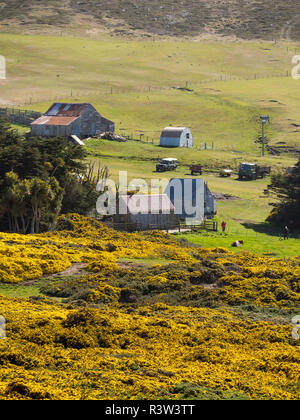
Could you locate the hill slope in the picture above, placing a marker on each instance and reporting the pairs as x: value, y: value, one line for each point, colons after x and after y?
x: 247, y: 19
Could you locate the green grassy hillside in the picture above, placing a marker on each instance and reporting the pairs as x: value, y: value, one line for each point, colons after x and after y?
x: 139, y: 85
x: 218, y: 89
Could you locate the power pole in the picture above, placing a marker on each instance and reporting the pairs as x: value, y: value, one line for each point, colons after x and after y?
x: 264, y: 120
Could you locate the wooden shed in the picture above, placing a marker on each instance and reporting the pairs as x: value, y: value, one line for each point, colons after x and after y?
x: 176, y: 137
x: 145, y: 212
x: 65, y: 120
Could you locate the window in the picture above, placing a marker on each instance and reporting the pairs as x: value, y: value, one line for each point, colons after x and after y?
x: 188, y: 135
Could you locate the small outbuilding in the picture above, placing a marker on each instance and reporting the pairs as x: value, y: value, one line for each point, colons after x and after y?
x: 176, y: 137
x: 67, y: 120
x: 143, y: 212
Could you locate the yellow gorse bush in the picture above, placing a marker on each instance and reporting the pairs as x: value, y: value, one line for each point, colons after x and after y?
x: 54, y: 353
x: 29, y: 257
x: 116, y: 350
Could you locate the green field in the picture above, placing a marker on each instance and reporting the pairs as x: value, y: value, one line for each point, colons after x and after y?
x: 136, y: 83
x: 266, y: 245
x: 217, y: 88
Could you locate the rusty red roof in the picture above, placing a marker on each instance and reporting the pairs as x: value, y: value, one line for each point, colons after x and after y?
x: 48, y: 120
x: 145, y: 204
x: 66, y: 110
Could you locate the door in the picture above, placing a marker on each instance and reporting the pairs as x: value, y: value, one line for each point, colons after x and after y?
x: 93, y: 129
x: 76, y: 130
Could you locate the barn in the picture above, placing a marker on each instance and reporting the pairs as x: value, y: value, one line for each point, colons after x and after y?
x: 65, y: 120
x: 192, y: 199
x: 145, y: 212
x: 176, y: 137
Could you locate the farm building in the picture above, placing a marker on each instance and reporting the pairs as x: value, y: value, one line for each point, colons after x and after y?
x: 176, y: 137
x: 65, y: 120
x: 145, y: 212
x: 192, y: 199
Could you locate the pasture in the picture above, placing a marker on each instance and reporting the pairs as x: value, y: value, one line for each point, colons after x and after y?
x: 217, y: 88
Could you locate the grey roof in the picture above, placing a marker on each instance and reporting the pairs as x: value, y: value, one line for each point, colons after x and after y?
x: 145, y: 204
x: 106, y: 121
x: 172, y: 131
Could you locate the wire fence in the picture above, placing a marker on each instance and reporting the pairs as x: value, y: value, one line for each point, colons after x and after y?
x: 229, y: 78
x: 153, y: 137
x: 232, y: 233
x: 108, y: 90
x: 25, y: 117
x: 19, y: 116
x: 207, y: 227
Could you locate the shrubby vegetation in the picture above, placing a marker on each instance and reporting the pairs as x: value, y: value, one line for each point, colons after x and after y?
x: 189, y: 18
x: 40, y: 178
x: 210, y: 324
x: 285, y: 189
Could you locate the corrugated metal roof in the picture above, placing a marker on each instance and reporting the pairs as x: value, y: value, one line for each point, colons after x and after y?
x: 145, y: 204
x: 66, y: 110
x: 172, y: 131
x: 48, y: 120
x: 106, y: 121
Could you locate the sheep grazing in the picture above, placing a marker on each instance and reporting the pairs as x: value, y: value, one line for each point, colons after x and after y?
x: 236, y: 244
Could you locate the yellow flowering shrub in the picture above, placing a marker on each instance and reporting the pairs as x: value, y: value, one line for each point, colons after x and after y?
x: 18, y: 262
x: 149, y: 352
x: 29, y: 257
x: 105, y: 293
x: 105, y: 260
x: 211, y: 324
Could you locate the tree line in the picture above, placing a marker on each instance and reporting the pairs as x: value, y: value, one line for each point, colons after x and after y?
x: 284, y: 189
x: 41, y: 178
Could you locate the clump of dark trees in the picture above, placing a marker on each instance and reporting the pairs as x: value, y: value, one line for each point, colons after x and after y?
x: 285, y: 189
x: 41, y: 178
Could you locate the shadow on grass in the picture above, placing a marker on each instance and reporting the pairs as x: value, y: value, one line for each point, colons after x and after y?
x: 269, y: 229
